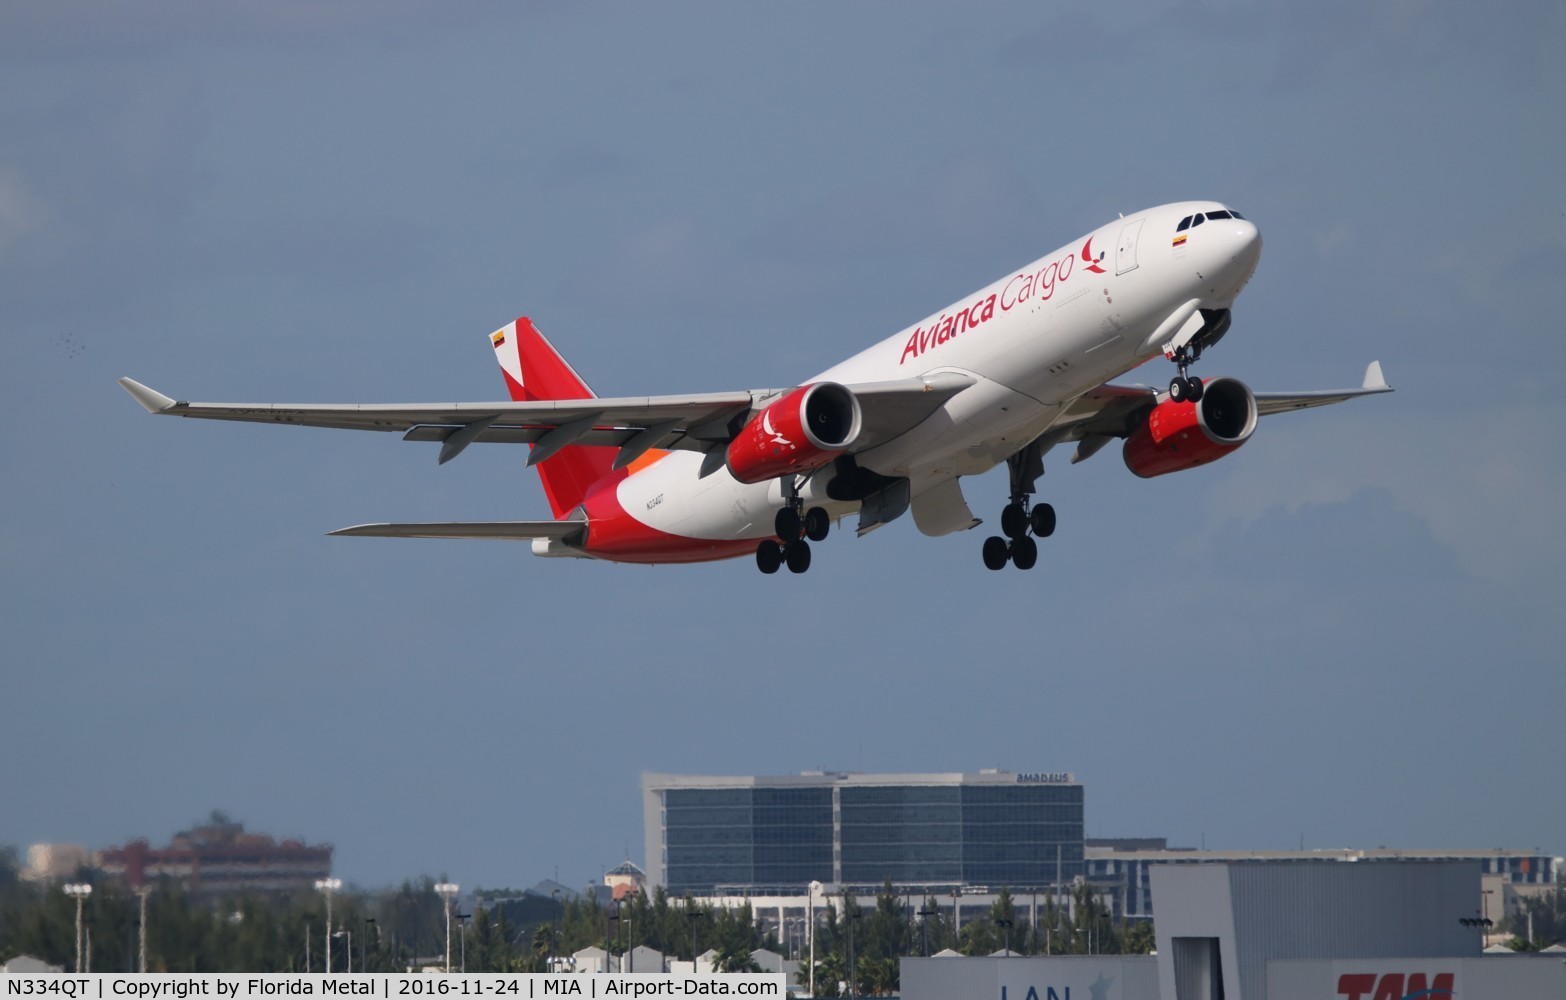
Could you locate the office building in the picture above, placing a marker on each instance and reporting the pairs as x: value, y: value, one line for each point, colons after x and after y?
x: 727, y: 835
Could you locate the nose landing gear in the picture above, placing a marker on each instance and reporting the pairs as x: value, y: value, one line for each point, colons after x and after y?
x: 1183, y: 388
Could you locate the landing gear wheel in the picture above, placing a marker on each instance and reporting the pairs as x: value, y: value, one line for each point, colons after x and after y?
x: 1024, y: 552
x: 996, y: 552
x: 769, y: 556
x: 1042, y: 520
x: 817, y: 524
x: 798, y: 557
x: 1178, y: 389
x: 1193, y: 389
x: 787, y: 524
x: 1014, y: 521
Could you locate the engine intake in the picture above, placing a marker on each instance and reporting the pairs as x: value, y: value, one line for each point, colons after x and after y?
x: 1178, y: 436
x: 804, y: 430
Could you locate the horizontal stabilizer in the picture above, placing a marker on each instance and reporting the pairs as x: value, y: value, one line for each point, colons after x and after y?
x: 569, y: 532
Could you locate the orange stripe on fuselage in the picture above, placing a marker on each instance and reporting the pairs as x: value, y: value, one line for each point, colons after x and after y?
x: 646, y: 459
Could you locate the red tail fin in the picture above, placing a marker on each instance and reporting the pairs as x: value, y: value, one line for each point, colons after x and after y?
x: 534, y: 370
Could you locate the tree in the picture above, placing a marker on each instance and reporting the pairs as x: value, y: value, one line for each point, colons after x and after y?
x: 1548, y: 914
x: 735, y: 958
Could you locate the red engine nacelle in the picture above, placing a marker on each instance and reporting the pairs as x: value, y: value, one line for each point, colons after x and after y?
x: 804, y: 430
x: 1179, y: 436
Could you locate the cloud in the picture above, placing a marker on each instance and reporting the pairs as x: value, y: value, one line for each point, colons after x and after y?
x: 21, y: 214
x: 1483, y: 481
x: 104, y: 27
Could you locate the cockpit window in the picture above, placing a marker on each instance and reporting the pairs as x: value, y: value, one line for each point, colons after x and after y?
x: 1237, y: 215
x: 1197, y: 220
x: 1220, y: 214
x: 1185, y: 224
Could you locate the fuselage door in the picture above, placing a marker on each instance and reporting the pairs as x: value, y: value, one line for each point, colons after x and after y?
x: 1125, y: 250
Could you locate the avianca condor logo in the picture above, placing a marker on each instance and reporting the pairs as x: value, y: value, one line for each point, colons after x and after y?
x: 772, y: 432
x: 1040, y: 284
x: 1395, y: 986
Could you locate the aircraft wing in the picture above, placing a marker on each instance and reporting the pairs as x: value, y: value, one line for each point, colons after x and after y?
x: 635, y: 424
x: 1111, y: 411
x: 1282, y: 402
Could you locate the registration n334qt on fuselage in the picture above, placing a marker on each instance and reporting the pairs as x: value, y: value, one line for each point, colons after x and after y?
x: 1001, y: 375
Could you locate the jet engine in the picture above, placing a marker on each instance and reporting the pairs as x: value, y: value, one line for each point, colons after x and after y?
x: 804, y: 430
x: 1177, y: 436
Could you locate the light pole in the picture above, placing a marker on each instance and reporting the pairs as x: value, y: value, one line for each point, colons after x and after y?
x: 853, y: 982
x: 692, y: 916
x: 364, y: 942
x: 447, y: 890
x: 143, y: 891
x: 810, y: 896
x: 554, y: 924
x: 1006, y: 922
x: 608, y: 919
x: 79, y: 891
x: 925, y: 913
x: 462, y: 931
x: 348, y: 951
x: 327, y: 886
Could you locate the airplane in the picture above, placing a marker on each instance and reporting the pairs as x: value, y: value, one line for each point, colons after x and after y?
x: 1001, y: 375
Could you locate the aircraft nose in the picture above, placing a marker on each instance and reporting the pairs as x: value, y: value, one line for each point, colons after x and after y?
x: 1247, y: 239
x: 1241, y: 246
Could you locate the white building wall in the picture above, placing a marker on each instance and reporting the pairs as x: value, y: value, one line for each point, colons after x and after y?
x: 1501, y: 977
x: 1062, y: 977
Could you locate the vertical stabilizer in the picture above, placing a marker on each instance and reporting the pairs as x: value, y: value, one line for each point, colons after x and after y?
x: 534, y: 370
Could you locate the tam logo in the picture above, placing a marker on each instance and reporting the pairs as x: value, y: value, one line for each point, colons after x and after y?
x: 1396, y: 986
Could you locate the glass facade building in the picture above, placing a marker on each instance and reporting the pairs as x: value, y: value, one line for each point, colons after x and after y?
x: 733, y: 835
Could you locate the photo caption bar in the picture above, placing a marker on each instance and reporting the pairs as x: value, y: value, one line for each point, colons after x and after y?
x: 389, y: 986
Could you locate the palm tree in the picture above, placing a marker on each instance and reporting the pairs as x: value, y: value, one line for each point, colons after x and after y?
x: 736, y: 958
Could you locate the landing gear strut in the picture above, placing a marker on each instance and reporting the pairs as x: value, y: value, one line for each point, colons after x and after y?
x: 1183, y: 388
x: 793, y: 525
x: 1021, y: 525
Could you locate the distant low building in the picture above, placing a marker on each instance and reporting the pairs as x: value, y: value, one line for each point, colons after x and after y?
x: 221, y: 858
x: 1124, y: 868
x: 625, y: 879
x: 26, y: 965
x: 52, y: 862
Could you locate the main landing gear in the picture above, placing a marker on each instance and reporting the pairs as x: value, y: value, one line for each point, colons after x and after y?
x: 1183, y: 388
x: 1021, y: 526
x: 793, y: 526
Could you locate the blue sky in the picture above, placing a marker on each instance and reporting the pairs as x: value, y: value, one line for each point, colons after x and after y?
x: 1349, y: 631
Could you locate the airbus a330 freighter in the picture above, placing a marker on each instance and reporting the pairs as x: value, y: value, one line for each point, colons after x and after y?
x: 1002, y: 375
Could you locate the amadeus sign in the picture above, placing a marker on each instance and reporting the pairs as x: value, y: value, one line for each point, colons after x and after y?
x: 1046, y: 778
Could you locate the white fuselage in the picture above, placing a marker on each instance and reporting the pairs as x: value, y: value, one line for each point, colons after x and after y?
x: 1034, y: 341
